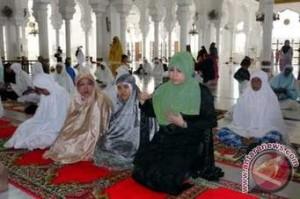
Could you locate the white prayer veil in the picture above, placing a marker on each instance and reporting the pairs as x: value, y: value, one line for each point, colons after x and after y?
x: 258, y: 112
x: 23, y: 80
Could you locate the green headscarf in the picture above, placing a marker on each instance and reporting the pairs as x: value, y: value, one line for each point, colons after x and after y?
x: 183, y: 98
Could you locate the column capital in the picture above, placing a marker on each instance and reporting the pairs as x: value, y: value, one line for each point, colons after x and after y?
x: 56, y: 18
x: 2, y: 21
x: 99, y: 6
x: 42, y: 1
x: 86, y: 18
x: 39, y: 7
x: 184, y: 3
x: 155, y: 15
x: 183, y: 14
x: 123, y: 6
x: 66, y: 9
x: 144, y: 23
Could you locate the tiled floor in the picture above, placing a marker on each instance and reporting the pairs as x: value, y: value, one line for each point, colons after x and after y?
x: 14, y: 193
x: 226, y: 95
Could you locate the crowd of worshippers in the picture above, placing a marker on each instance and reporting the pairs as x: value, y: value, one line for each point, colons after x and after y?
x: 164, y: 138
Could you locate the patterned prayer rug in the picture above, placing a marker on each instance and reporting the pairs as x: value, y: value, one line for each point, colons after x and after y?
x: 42, y: 178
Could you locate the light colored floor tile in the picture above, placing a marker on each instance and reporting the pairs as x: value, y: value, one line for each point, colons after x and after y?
x: 14, y: 193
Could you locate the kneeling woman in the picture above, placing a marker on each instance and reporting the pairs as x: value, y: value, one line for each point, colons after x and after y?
x: 121, y: 141
x: 256, y: 117
x: 183, y: 145
x: 86, y: 122
x: 41, y: 130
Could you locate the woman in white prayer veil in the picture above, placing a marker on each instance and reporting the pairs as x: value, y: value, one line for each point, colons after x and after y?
x: 257, y: 117
x: 36, y: 68
x: 80, y: 56
x: 63, y: 79
x: 23, y: 86
x: 23, y: 81
x: 41, y: 130
x: 103, y: 73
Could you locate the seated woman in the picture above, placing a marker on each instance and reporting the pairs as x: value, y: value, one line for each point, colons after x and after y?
x: 285, y: 85
x: 41, y: 130
x: 121, y: 142
x: 257, y: 117
x: 21, y: 86
x: 103, y: 73
x: 63, y: 78
x: 36, y: 68
x: 86, y: 122
x: 183, y: 146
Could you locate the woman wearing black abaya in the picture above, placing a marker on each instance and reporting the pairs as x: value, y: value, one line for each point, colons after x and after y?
x: 183, y: 146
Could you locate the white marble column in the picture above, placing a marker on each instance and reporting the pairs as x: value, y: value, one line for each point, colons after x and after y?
x: 41, y: 15
x: 144, y: 26
x: 57, y: 38
x: 67, y: 10
x: 156, y: 17
x: 123, y: 7
x: 99, y: 8
x: 56, y: 21
x: 169, y: 22
x: 86, y: 22
x: 18, y: 34
x: 267, y: 10
x: 2, y: 51
x: 123, y: 27
x: 183, y: 16
x: 68, y: 37
x: 156, y: 38
x: 200, y: 25
x: 170, y: 44
x: 231, y: 40
x: 218, y: 25
x: 100, y: 30
x: 87, y: 43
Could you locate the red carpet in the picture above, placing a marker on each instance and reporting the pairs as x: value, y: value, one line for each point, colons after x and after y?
x: 130, y: 189
x: 224, y: 193
x: 4, y: 122
x: 81, y: 172
x: 34, y: 157
x: 7, y: 131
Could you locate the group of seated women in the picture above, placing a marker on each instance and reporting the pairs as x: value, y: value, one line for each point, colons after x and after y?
x: 113, y: 127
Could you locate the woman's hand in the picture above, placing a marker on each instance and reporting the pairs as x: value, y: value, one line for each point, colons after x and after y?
x: 176, y: 119
x: 143, y: 97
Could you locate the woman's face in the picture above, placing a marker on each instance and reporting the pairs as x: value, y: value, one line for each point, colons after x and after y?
x: 85, y: 87
x: 176, y: 76
x: 256, y: 83
x: 59, y: 68
x: 124, y: 91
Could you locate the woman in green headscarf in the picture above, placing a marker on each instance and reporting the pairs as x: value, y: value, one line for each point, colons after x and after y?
x: 183, y: 146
